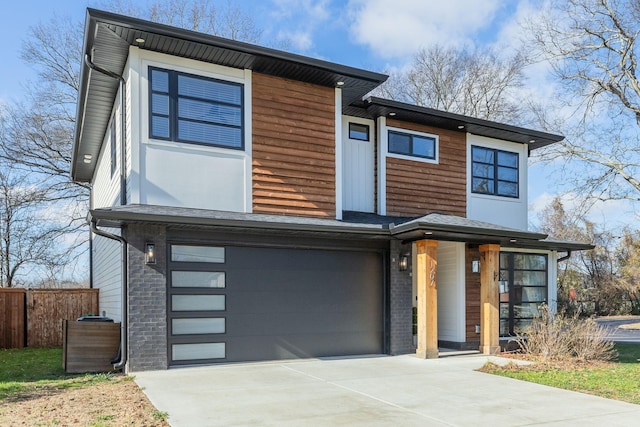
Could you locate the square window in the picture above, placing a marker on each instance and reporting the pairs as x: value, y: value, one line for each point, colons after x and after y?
x: 494, y: 172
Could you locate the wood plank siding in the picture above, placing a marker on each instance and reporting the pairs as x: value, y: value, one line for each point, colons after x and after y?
x: 416, y: 188
x: 472, y: 296
x: 293, y: 132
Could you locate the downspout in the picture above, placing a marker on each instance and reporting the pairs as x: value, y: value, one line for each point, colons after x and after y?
x: 123, y: 322
x: 123, y: 128
x: 564, y: 258
x: 123, y: 201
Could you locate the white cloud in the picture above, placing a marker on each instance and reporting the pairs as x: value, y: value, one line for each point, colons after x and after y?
x: 398, y: 29
x: 300, y: 41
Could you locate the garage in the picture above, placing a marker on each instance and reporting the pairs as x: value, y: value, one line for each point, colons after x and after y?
x: 244, y: 303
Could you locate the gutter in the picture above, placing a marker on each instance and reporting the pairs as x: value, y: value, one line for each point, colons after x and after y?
x: 564, y: 258
x: 118, y: 364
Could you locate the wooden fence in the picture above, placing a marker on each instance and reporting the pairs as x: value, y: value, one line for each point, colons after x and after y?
x: 34, y: 316
x: 12, y: 318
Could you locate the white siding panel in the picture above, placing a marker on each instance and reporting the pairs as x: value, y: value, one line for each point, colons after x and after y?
x: 358, y: 169
x: 107, y: 274
x: 505, y: 211
x: 106, y: 188
x: 192, y: 178
x: 451, y: 287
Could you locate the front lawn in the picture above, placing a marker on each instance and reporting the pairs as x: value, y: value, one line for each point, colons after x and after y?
x: 619, y: 380
x: 35, y: 390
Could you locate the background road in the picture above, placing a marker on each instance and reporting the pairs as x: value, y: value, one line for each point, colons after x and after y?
x: 621, y: 335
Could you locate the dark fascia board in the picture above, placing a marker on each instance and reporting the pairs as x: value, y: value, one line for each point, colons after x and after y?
x: 117, y: 217
x: 429, y: 116
x: 417, y: 228
x: 358, y: 82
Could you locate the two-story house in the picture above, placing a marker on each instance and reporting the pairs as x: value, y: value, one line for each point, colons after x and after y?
x: 252, y: 204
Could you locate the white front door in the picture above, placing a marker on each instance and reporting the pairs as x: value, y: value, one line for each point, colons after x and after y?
x: 358, y: 175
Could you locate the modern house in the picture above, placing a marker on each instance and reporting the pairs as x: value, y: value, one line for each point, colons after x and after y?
x: 252, y: 204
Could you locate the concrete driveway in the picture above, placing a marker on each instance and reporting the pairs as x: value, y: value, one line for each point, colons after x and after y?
x: 370, y: 391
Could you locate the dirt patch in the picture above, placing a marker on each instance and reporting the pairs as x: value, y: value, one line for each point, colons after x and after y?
x: 115, y: 402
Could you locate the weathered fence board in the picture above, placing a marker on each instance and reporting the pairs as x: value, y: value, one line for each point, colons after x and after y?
x: 48, y: 308
x: 12, y: 318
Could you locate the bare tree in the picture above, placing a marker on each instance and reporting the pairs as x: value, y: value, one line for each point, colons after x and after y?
x: 591, y: 46
x: 28, y: 237
x: 477, y: 83
x: 36, y: 134
x: 225, y: 20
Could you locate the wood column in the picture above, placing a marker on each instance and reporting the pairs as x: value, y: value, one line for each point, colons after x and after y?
x: 489, y: 301
x: 425, y: 271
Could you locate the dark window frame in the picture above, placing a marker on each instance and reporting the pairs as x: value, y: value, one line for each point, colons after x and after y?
x: 368, y: 131
x: 507, y: 273
x: 113, y: 147
x: 173, y: 116
x: 411, y: 136
x: 495, y: 169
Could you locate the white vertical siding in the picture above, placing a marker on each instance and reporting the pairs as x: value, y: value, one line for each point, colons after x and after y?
x: 506, y: 211
x: 451, y: 292
x: 105, y: 191
x: 358, y: 176
x: 107, y: 274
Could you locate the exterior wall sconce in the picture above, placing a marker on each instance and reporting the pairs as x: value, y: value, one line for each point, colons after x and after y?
x: 475, y: 266
x: 150, y: 253
x: 403, y: 263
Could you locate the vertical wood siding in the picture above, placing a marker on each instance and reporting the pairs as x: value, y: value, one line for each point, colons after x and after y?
x: 12, y: 318
x: 416, y: 188
x: 293, y: 138
x: 472, y: 295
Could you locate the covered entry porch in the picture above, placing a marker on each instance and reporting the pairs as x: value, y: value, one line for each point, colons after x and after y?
x: 461, y: 284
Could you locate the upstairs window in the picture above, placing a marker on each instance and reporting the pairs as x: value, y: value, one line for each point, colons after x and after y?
x: 188, y: 108
x: 358, y: 131
x: 494, y: 172
x: 410, y: 144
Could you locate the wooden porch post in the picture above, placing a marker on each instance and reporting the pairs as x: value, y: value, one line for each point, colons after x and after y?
x: 427, y: 299
x: 489, y: 302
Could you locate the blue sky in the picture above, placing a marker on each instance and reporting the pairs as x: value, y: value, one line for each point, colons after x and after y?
x: 372, y: 34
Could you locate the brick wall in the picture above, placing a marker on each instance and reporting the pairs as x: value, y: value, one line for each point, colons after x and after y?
x: 401, y: 303
x: 147, y: 310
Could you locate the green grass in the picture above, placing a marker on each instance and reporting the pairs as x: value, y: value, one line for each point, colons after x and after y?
x: 619, y: 380
x: 23, y: 370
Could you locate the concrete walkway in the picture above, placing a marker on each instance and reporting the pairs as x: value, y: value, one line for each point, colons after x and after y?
x: 370, y: 391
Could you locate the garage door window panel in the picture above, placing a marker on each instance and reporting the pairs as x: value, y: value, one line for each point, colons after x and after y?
x: 199, y: 254
x: 198, y: 279
x: 198, y: 352
x: 198, y: 302
x: 198, y: 326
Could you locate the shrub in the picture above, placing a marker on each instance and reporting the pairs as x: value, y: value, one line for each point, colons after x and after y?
x: 552, y: 337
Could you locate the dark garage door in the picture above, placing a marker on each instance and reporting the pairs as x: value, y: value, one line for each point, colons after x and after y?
x: 272, y: 303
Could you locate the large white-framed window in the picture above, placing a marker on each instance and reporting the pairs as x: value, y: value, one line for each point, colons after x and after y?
x: 190, y: 108
x: 494, y: 172
x: 411, y: 145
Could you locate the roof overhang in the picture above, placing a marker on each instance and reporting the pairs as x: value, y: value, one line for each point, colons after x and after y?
x: 458, y: 229
x: 376, y: 107
x: 367, y: 227
x: 189, y: 217
x: 108, y: 37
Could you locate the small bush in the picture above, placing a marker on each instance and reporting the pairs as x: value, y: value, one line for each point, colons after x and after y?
x: 552, y: 337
